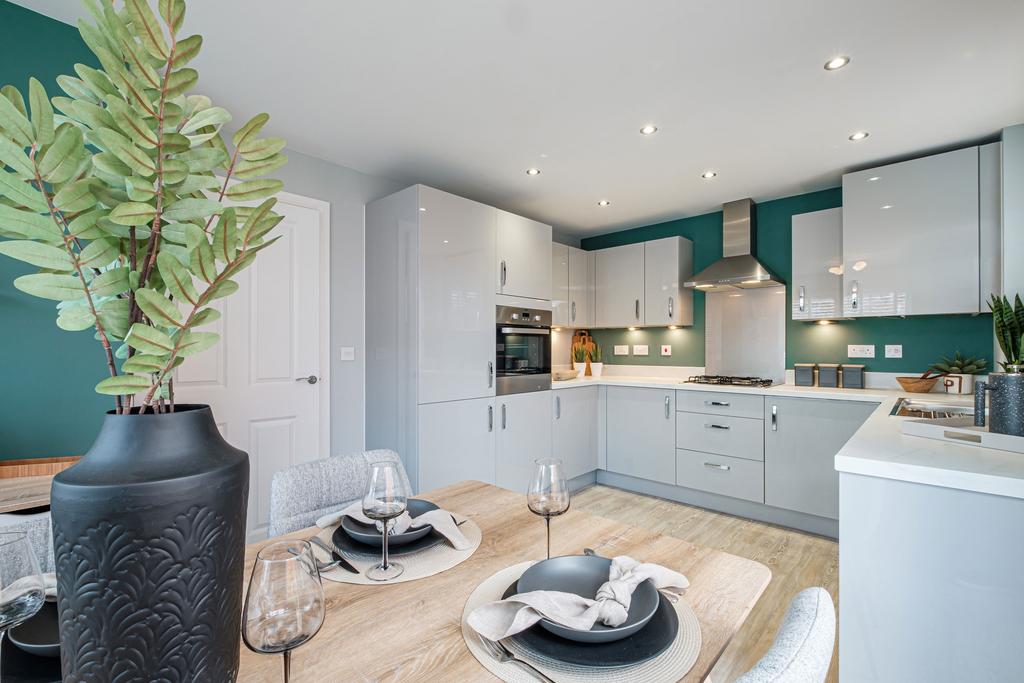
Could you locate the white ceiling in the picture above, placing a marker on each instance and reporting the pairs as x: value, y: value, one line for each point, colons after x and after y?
x: 465, y: 95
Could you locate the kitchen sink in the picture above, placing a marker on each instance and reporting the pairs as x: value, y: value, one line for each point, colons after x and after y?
x: 910, y: 407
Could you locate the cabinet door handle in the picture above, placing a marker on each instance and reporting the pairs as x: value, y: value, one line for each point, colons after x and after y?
x: 802, y: 298
x: 574, y: 311
x: 504, y: 416
x: 668, y: 407
x: 671, y: 307
x: 490, y: 418
x: 558, y: 407
x: 636, y: 307
x: 716, y: 466
x: 854, y: 294
x: 490, y: 374
x: 775, y: 418
x: 714, y: 426
x: 504, y: 273
x: 723, y: 404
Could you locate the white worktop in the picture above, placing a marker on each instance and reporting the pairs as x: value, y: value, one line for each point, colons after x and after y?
x: 879, y: 448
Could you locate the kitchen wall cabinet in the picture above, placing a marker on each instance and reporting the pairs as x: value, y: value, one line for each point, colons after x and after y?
x: 523, y: 428
x: 801, y: 439
x: 667, y: 262
x: 560, y: 296
x: 574, y: 429
x: 911, y: 237
x: 620, y: 286
x: 456, y: 442
x: 581, y: 288
x: 521, y: 268
x: 816, y: 286
x: 641, y: 433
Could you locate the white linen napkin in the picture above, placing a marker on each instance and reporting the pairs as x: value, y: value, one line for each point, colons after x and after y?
x: 501, y: 619
x: 441, y: 520
x: 27, y: 583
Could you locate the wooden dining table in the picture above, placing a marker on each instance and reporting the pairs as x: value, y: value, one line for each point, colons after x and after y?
x: 412, y: 631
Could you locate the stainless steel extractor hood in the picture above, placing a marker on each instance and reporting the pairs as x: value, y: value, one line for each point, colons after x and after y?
x: 738, y: 268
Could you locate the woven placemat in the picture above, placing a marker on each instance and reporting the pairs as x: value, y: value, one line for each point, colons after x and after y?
x: 671, y: 665
x: 428, y: 562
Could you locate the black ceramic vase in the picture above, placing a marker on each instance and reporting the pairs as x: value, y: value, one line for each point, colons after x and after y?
x: 149, y: 539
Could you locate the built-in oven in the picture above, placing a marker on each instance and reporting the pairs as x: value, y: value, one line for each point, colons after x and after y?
x: 523, y: 350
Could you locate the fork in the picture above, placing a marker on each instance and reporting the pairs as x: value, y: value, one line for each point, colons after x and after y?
x: 498, y: 651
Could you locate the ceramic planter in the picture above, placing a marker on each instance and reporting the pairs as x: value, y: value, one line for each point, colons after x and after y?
x: 595, y: 369
x: 149, y: 542
x: 958, y: 384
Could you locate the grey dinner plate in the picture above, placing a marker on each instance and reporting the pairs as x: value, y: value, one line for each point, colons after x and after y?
x: 583, y: 575
x: 368, y: 533
x: 39, y: 634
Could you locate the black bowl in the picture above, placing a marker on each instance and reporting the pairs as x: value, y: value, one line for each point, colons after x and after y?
x: 368, y: 534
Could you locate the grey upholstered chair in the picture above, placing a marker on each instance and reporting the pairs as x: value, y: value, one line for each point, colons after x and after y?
x: 802, y: 650
x: 40, y: 534
x: 301, y: 494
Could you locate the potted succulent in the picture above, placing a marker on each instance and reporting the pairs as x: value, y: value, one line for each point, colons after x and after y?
x: 1006, y: 407
x: 596, y: 358
x: 579, y: 359
x: 120, y: 192
x: 959, y: 372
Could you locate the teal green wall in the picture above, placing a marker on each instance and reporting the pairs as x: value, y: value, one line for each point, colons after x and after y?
x: 924, y: 338
x: 47, y: 405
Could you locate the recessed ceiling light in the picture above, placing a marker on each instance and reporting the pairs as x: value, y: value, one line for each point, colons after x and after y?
x: 446, y: 241
x: 533, y: 171
x: 708, y: 175
x: 604, y: 202
x: 837, y: 63
x: 886, y: 206
x: 858, y: 136
x: 423, y: 208
x: 648, y: 130
x: 860, y: 265
x: 874, y: 178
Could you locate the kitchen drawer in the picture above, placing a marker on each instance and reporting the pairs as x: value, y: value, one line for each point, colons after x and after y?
x: 721, y: 403
x: 739, y: 437
x: 720, y: 474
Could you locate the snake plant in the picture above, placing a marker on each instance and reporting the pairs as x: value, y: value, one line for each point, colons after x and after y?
x: 579, y: 353
x: 958, y: 365
x: 595, y: 354
x: 1008, y: 322
x: 122, y: 193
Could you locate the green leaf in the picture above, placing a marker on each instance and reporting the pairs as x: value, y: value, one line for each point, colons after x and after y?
x: 205, y: 317
x: 76, y: 197
x: 84, y: 226
x: 140, y: 189
x: 255, y: 216
x: 158, y: 308
x: 42, y: 112
x: 176, y: 143
x: 144, y: 362
x: 201, y: 262
x: 262, y: 227
x: 12, y: 94
x: 222, y: 289
x: 147, y: 28
x: 196, y: 182
x: 62, y: 158
x: 173, y: 12
x: 108, y: 162
x: 254, y: 189
x: 225, y: 236
x: 114, y: 316
x: 127, y: 152
x: 20, y: 192
x: 202, y: 159
x: 188, y: 234
x: 174, y: 172
x: 196, y: 342
x: 189, y: 209
x: 29, y: 224
x: 75, y: 318
x: 187, y: 50
x: 214, y: 116
x: 255, y: 149
x: 110, y: 282
x: 133, y: 213
x: 253, y: 169
x: 177, y: 278
x: 51, y: 286
x: 249, y: 130
x: 131, y: 124
x: 14, y: 156
x: 100, y: 253
x: 12, y: 122
x: 122, y: 385
x: 37, y: 254
x: 146, y: 339
x: 97, y: 81
x: 181, y: 80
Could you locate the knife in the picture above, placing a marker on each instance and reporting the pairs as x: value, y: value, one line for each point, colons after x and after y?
x: 335, y: 555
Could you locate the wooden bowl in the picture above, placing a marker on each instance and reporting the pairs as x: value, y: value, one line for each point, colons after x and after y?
x: 917, y: 385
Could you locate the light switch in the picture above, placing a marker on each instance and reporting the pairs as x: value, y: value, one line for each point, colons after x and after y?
x: 639, y: 349
x: 894, y: 350
x: 666, y: 349
x: 621, y: 349
x: 860, y: 351
x: 348, y: 353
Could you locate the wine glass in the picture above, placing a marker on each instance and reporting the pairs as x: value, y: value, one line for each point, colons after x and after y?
x: 549, y: 492
x: 386, y: 497
x: 284, y: 607
x: 21, y: 583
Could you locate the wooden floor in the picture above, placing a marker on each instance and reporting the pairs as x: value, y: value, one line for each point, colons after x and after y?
x: 797, y: 561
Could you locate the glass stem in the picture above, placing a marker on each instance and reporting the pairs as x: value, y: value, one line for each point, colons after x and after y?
x: 384, y: 560
x: 547, y: 521
x: 287, y: 665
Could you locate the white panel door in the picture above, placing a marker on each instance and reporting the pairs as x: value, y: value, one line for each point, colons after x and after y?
x: 574, y: 430
x: 456, y: 442
x: 274, y: 335
x: 817, y: 283
x: 456, y: 298
x: 581, y: 289
x: 620, y: 286
x: 910, y: 237
x: 524, y: 435
x: 560, y: 305
x: 522, y: 265
x: 667, y: 263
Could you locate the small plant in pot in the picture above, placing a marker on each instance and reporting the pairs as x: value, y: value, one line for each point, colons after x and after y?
x: 1006, y: 389
x: 579, y: 359
x: 119, y: 191
x: 958, y: 372
x: 596, y: 361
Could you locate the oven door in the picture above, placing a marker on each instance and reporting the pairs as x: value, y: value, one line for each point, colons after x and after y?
x: 523, y: 357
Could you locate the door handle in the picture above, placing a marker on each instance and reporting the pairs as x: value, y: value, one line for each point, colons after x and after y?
x: 504, y: 416
x: 490, y: 374
x: 854, y: 294
x: 504, y: 273
x: 716, y: 466
x: 671, y: 307
x: 801, y: 299
x: 775, y: 418
x: 312, y: 379
x: 490, y: 418
x: 668, y: 407
x: 723, y: 404
x: 714, y: 426
x: 636, y: 307
x: 558, y: 407
x: 574, y: 311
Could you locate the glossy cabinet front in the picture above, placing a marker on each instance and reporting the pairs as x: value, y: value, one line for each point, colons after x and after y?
x: 667, y: 263
x: 521, y: 267
x: 619, y: 286
x: 581, y: 288
x: 560, y: 296
x: 574, y: 429
x: 641, y: 433
x: 522, y: 423
x: 456, y: 442
x: 816, y: 287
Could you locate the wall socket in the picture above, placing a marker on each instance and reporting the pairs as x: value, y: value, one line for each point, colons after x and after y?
x: 894, y: 350
x: 860, y: 351
x: 639, y: 349
x: 621, y: 350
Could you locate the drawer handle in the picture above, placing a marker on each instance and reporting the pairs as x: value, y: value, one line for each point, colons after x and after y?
x: 723, y: 404
x: 716, y: 466
x: 714, y: 426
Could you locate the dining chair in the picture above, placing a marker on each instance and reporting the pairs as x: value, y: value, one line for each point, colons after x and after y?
x: 802, y: 650
x: 301, y: 494
x: 39, y: 531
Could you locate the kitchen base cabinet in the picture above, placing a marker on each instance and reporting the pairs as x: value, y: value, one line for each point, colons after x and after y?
x: 522, y: 423
x: 456, y: 442
x: 721, y: 474
x: 801, y: 439
x: 641, y: 433
x: 574, y: 429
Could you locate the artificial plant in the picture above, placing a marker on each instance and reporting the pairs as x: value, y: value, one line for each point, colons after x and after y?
x: 959, y: 365
x: 1008, y: 322
x: 122, y: 193
x: 596, y: 355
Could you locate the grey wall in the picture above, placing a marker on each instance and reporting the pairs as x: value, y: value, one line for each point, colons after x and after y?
x: 347, y: 191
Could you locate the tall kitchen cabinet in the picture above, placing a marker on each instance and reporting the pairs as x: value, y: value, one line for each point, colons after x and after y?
x: 817, y: 281
x: 521, y: 265
x: 642, y: 284
x: 641, y: 433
